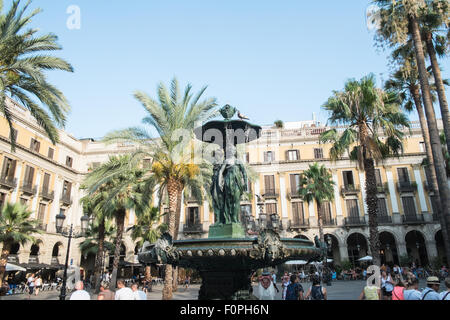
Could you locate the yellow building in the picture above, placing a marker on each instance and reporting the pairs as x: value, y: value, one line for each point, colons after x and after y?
x: 47, y: 178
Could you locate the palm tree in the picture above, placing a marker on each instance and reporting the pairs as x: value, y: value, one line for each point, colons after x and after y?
x: 400, y: 21
x: 118, y: 181
x: 367, y: 112
x: 22, y: 65
x: 174, y: 117
x: 317, y: 185
x: 147, y: 229
x: 15, y: 227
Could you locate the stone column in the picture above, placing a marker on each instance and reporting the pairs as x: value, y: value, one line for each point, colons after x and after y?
x: 343, y: 252
x: 17, y: 177
x: 431, y: 250
x: 284, y: 208
x: 55, y: 206
x: 418, y: 177
x: 401, y: 249
x: 392, y: 192
x: 35, y: 203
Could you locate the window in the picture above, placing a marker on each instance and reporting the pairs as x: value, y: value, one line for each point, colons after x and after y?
x: 193, y: 216
x: 35, y: 145
x: 403, y: 176
x: 382, y: 208
x: 318, y: 153
x: 269, y: 156
x: 352, y: 208
x: 69, y: 161
x: 349, y: 183
x: 29, y: 176
x: 378, y: 179
x: 67, y: 188
x: 297, y: 213
x: 292, y: 155
x: 9, y: 168
x: 269, y: 184
x: 409, y: 206
x: 46, y: 183
x: 326, y: 213
x: 41, y: 212
x: 295, y: 183
x: 51, y: 153
x: 271, y: 208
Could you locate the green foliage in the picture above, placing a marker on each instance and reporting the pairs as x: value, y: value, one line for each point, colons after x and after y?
x: 16, y: 226
x: 22, y: 65
x: 436, y: 263
x: 90, y: 243
x: 279, y: 124
x: 405, y: 260
x: 147, y: 227
x: 346, y: 265
x: 317, y: 184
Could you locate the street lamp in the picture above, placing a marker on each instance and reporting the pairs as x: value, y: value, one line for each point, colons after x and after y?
x: 69, y: 234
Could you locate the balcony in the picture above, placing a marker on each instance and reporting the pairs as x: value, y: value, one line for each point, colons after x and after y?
x: 406, y: 187
x: 271, y: 194
x: 427, y: 187
x: 66, y: 199
x: 350, y: 189
x: 8, y: 182
x: 413, y: 219
x: 355, y: 222
x: 193, y: 228
x: 293, y: 195
x: 384, y: 219
x: 329, y: 222
x: 382, y: 188
x: 47, y: 195
x: 28, y: 188
x: 299, y: 224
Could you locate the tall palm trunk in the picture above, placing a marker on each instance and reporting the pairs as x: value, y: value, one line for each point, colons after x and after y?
x: 439, y: 85
x: 320, y: 222
x: 148, y: 274
x: 173, y: 188
x: 99, y: 257
x: 372, y: 208
x: 177, y: 229
x: 4, y: 260
x: 439, y: 162
x: 120, y: 223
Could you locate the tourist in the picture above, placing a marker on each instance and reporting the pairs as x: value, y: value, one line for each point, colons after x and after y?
x: 105, y: 293
x: 187, y: 282
x: 284, y: 284
x: 294, y: 290
x: 412, y: 290
x: 364, y: 274
x: 316, y: 292
x: 138, y: 294
x: 445, y: 295
x: 80, y: 294
x: 123, y: 293
x: 37, y: 285
x: 399, y: 288
x: 387, y: 285
x: 370, y: 292
x: 30, y: 284
x: 266, y: 287
x: 431, y: 291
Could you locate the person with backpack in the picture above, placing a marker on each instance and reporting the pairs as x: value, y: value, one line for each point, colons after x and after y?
x: 316, y: 292
x: 387, y: 285
x: 445, y: 295
x: 399, y: 288
x: 294, y: 290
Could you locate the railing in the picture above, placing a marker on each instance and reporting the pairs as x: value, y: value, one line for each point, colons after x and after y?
x: 66, y: 199
x: 427, y: 187
x: 8, y: 182
x: 350, y: 189
x: 271, y: 193
x: 382, y: 188
x: 384, y: 219
x: 27, y: 187
x: 329, y: 222
x: 406, y: 186
x: 294, y: 194
x: 193, y: 228
x: 299, y: 224
x: 46, y: 194
x: 355, y: 221
x: 413, y: 218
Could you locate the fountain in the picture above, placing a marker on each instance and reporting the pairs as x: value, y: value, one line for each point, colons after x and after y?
x: 228, y: 257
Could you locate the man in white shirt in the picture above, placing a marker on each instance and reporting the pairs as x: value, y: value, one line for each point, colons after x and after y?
x: 80, y: 294
x: 124, y: 293
x: 445, y: 295
x: 138, y: 294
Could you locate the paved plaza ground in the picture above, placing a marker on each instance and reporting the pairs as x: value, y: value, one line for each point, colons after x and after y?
x: 339, y: 290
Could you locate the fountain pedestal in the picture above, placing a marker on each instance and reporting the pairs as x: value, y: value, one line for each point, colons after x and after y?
x: 227, y: 231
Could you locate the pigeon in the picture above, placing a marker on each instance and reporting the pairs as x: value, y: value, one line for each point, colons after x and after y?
x: 242, y: 117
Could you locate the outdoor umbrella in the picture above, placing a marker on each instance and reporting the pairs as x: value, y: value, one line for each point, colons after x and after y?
x: 366, y: 258
x: 13, y: 267
x: 297, y: 262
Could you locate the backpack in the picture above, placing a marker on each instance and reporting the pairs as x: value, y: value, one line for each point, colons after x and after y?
x: 292, y: 292
x: 316, y: 293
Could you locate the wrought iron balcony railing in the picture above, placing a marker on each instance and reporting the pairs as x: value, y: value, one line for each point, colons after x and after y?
x: 270, y: 193
x: 299, y: 224
x: 46, y: 194
x: 294, y: 194
x: 193, y: 228
x: 66, y: 199
x: 42, y: 226
x: 8, y: 182
x: 355, y: 221
x: 413, y: 218
x: 350, y: 189
x: 329, y: 222
x: 382, y: 188
x: 384, y: 219
x: 28, y: 188
x: 406, y: 186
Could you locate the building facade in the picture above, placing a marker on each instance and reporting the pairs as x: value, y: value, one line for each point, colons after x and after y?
x: 48, y: 177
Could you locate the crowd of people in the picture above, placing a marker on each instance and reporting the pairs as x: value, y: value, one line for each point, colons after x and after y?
x: 123, y: 292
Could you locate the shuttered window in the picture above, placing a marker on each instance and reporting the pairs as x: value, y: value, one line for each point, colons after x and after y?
x: 295, y: 183
x: 348, y: 178
x: 297, y: 213
x: 9, y: 168
x: 193, y: 216
x: 2, y: 201
x: 46, y: 183
x: 41, y: 212
x: 378, y: 178
x: 271, y: 208
x: 51, y: 153
x: 403, y: 175
x: 269, y: 156
x: 29, y: 175
x: 35, y: 145
x: 318, y: 153
x: 269, y: 184
x: 352, y: 208
x: 325, y: 209
x: 408, y: 206
x: 382, y: 208
x: 67, y: 188
x: 292, y: 155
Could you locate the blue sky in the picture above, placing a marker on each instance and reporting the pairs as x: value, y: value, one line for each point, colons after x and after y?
x: 270, y: 59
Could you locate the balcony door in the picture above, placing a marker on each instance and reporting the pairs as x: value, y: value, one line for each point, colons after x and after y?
x: 298, y: 217
x: 349, y: 182
x: 295, y: 183
x: 326, y: 213
x: 352, y: 208
x: 29, y: 176
x: 269, y: 184
x: 403, y: 176
x: 193, y: 217
x: 9, y: 169
x: 409, y: 206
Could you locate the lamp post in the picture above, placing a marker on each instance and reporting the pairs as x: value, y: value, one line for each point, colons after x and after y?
x: 68, y: 234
